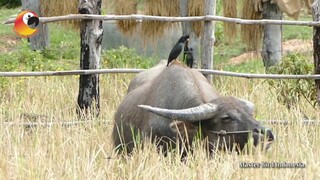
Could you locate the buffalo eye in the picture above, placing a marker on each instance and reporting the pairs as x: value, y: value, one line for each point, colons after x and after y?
x: 226, y: 119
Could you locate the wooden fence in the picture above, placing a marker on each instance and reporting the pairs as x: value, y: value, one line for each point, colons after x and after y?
x: 140, y: 18
x: 112, y: 71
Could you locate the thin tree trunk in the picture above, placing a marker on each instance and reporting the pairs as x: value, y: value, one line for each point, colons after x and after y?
x: 271, y: 48
x: 316, y: 45
x: 91, y: 36
x: 40, y: 40
x: 207, y: 40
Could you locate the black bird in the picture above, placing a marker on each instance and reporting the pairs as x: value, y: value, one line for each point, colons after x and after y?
x: 176, y: 50
x: 188, y: 55
x: 189, y: 58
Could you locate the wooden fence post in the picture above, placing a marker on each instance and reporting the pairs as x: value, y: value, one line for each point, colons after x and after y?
x: 316, y: 45
x: 40, y: 40
x: 91, y: 37
x: 207, y: 40
x: 271, y: 48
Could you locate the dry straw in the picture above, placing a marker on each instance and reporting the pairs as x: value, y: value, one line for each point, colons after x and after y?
x: 58, y: 8
x: 251, y: 35
x: 230, y: 10
x: 126, y: 7
x: 152, y: 30
x: 196, y: 8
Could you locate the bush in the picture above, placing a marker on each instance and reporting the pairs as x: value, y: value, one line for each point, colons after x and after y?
x: 10, y: 3
x: 125, y: 58
x: 289, y: 92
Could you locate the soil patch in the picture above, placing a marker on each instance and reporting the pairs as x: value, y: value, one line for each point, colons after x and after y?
x: 8, y: 43
x: 292, y: 45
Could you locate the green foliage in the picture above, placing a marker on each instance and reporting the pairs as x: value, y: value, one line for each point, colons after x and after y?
x: 10, y: 3
x: 125, y: 58
x: 64, y: 43
x: 252, y: 66
x: 289, y: 92
x: 25, y: 59
x: 218, y: 33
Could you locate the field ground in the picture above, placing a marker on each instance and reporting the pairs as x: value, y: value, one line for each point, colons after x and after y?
x: 85, y: 151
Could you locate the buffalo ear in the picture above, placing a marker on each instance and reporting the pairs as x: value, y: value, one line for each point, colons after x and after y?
x: 249, y: 106
x: 183, y: 127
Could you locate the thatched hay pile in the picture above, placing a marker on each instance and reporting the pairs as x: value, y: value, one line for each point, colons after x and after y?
x: 58, y: 8
x: 196, y: 8
x: 230, y: 10
x: 126, y: 7
x: 251, y: 35
x: 162, y: 7
x: 152, y: 30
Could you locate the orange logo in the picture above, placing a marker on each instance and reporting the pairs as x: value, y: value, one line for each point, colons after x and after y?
x: 26, y: 24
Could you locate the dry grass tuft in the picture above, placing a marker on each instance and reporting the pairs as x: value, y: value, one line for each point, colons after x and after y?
x: 251, y: 35
x: 196, y: 8
x: 162, y: 7
x: 230, y: 29
x: 86, y: 151
x: 59, y: 8
x: 126, y: 7
x: 152, y: 30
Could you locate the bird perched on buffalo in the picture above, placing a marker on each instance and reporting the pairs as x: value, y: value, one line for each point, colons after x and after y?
x: 176, y: 50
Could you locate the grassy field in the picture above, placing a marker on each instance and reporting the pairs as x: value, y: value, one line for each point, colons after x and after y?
x: 85, y: 151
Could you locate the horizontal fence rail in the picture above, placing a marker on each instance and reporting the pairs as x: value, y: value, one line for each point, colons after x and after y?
x: 110, y: 71
x: 140, y: 18
x: 75, y: 123
x: 50, y: 124
x: 68, y: 73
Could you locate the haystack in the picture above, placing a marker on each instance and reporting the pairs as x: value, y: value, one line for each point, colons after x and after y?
x: 58, y: 8
x: 230, y: 10
x: 196, y: 8
x: 152, y: 30
x: 126, y: 7
x: 251, y: 35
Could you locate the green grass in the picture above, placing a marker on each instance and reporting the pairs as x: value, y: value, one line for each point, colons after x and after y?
x: 298, y: 32
x: 4, y: 15
x: 64, y: 43
x: 252, y: 66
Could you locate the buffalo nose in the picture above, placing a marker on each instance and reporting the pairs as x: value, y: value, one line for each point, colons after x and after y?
x: 270, y: 136
x: 265, y: 131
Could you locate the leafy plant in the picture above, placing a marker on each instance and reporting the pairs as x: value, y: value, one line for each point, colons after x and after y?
x: 291, y: 91
x: 218, y: 33
x: 25, y: 59
x: 125, y: 58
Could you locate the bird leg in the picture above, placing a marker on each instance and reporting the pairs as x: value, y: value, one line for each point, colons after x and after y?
x: 177, y: 61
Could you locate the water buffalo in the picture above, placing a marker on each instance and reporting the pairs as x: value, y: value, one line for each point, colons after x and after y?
x: 173, y: 105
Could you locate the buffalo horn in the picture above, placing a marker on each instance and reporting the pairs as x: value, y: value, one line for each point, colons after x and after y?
x: 194, y: 114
